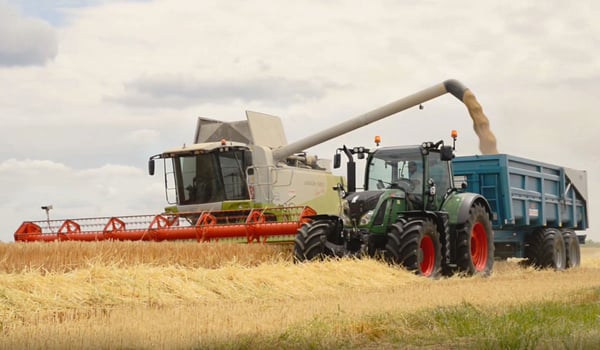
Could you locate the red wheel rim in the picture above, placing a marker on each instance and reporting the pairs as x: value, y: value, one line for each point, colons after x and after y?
x: 479, y: 247
x: 428, y: 256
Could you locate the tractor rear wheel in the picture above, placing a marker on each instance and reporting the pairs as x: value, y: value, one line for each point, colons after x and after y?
x: 310, y: 241
x: 416, y: 246
x: 546, y: 249
x: 572, y: 248
x: 475, y: 243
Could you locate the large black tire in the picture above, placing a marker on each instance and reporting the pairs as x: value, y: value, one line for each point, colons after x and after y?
x: 572, y: 249
x: 310, y: 241
x: 546, y: 249
x: 416, y: 246
x: 475, y: 243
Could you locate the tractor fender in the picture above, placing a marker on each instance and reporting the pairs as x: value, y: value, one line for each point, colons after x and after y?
x: 336, y: 221
x: 457, y: 205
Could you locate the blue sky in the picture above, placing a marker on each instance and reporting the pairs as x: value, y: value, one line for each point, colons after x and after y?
x: 50, y: 11
x: 53, y: 11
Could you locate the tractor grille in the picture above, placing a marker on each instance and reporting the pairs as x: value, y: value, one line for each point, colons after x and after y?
x: 361, y: 202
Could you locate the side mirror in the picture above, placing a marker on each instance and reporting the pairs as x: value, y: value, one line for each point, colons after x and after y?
x: 340, y: 189
x: 446, y: 153
x: 337, y: 160
x: 151, y: 167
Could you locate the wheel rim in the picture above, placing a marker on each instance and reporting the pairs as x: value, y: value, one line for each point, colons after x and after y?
x: 479, y: 247
x: 559, y: 252
x: 427, y: 256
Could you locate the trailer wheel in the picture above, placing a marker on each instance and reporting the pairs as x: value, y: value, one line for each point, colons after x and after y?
x: 416, y: 246
x: 546, y: 249
x: 310, y: 241
x: 475, y: 243
x: 572, y: 249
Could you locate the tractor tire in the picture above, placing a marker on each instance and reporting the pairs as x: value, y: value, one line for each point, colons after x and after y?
x: 572, y: 249
x: 416, y: 246
x: 546, y: 249
x: 310, y: 241
x: 475, y: 243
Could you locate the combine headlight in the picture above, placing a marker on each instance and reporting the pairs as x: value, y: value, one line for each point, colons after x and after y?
x: 366, y: 218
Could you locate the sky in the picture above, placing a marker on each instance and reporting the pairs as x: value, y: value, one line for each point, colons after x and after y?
x: 91, y: 89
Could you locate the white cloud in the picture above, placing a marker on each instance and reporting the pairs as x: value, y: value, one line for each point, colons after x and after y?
x: 532, y: 66
x: 25, y: 41
x: 105, y: 191
x: 144, y: 136
x: 183, y: 90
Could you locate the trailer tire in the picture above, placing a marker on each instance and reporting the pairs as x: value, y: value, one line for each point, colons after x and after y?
x: 572, y: 249
x: 546, y: 249
x: 310, y: 241
x: 475, y: 243
x: 416, y: 246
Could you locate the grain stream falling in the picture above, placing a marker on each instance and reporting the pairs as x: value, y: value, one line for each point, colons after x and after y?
x: 481, y: 124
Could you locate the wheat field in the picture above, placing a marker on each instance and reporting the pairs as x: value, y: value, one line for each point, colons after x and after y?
x: 182, y: 295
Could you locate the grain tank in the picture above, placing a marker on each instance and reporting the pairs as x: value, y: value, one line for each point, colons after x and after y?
x: 537, y: 207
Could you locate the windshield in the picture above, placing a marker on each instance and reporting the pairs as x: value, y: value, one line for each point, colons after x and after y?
x: 403, y: 168
x: 396, y: 168
x: 212, y: 177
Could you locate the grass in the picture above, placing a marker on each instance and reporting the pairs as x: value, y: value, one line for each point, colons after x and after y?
x: 547, y: 325
x: 125, y: 295
x: 532, y: 326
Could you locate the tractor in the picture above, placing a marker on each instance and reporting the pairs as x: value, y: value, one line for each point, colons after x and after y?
x: 409, y: 213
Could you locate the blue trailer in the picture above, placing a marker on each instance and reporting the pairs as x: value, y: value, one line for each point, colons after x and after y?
x: 536, y: 207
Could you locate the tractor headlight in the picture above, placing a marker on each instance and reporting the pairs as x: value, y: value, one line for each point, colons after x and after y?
x: 366, y: 218
x: 346, y: 220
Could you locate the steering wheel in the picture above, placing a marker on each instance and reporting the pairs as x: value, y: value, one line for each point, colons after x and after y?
x: 405, y: 184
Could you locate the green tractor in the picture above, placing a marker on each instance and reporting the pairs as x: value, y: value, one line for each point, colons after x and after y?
x: 409, y: 214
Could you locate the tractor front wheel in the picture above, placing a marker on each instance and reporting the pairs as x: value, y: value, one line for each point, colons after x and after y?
x: 416, y: 246
x: 475, y: 243
x: 310, y: 242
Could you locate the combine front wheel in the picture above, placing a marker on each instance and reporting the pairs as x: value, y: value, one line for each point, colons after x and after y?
x: 416, y: 246
x: 475, y: 246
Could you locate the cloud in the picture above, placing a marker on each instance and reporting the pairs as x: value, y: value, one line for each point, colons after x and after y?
x: 25, y: 41
x: 108, y: 190
x: 144, y: 136
x: 181, y: 91
x: 132, y: 77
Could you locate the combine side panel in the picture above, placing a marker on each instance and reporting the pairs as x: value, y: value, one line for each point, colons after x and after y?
x: 524, y: 195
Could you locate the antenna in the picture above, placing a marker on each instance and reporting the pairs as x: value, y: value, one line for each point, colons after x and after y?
x: 47, y: 208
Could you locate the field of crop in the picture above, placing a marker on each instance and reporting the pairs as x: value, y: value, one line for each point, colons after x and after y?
x: 136, y: 295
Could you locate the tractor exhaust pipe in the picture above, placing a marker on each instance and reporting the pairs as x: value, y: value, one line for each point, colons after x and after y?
x: 487, y: 139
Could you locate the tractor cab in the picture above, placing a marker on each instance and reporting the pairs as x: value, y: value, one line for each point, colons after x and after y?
x: 421, y: 172
x: 417, y: 177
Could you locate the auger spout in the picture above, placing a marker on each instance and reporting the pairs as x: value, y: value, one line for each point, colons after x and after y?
x: 452, y: 86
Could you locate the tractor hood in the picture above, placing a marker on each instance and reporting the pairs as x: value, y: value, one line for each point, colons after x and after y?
x: 361, y: 202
